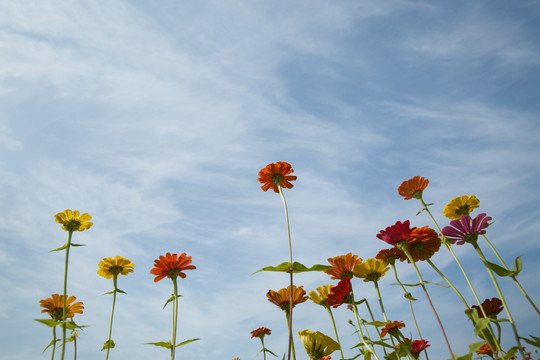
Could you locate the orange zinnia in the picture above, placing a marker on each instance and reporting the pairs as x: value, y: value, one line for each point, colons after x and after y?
x: 484, y: 350
x: 343, y: 266
x: 54, y: 306
x: 422, y: 244
x: 392, y: 328
x: 413, y: 188
x: 281, y: 297
x: 171, y: 266
x: 276, y: 175
x: 390, y: 255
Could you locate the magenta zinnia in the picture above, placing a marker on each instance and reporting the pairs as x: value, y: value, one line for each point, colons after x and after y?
x: 466, y: 229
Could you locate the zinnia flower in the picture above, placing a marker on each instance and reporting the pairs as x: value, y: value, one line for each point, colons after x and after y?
x: 343, y: 266
x: 419, y: 345
x: 390, y: 255
x: 338, y: 293
x: 321, y: 296
x: 260, y: 332
x: 422, y: 243
x: 395, y: 233
x: 54, y: 306
x: 485, y: 350
x: 171, y: 266
x: 281, y: 298
x: 110, y: 267
x: 466, y: 230
x: 461, y: 205
x: 413, y: 188
x: 491, y: 308
x: 392, y: 328
x: 317, y: 344
x: 371, y: 270
x: 276, y: 175
x: 73, y: 221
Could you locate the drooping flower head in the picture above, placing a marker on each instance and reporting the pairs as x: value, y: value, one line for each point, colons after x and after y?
x: 392, y: 328
x: 171, y: 266
x: 422, y: 243
x: 260, y: 332
x: 343, y: 266
x: 54, y: 306
x: 466, y: 230
x: 338, y: 294
x: 110, y: 267
x: 320, y: 297
x: 317, y: 345
x: 485, y: 350
x: 396, y: 233
x: 73, y: 221
x: 491, y: 308
x: 371, y: 269
x: 461, y: 205
x: 390, y: 255
x: 281, y: 298
x: 413, y: 187
x: 276, y: 175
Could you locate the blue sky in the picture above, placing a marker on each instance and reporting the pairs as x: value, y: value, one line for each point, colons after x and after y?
x: 155, y: 118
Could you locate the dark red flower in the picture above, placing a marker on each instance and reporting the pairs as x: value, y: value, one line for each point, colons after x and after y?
x: 396, y: 233
x: 419, y: 345
x: 260, y: 332
x: 491, y: 308
x: 339, y: 292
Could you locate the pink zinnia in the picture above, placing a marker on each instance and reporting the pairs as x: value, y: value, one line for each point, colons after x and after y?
x: 466, y: 230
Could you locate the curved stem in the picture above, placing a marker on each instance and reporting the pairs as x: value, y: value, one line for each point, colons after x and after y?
x: 335, y: 330
x: 64, y: 310
x: 175, y: 317
x: 496, y: 284
x: 513, y: 277
x: 403, y: 247
x: 115, y: 279
x: 54, y: 342
x: 290, y: 312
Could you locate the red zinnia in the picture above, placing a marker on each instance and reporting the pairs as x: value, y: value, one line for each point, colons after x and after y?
x: 390, y: 255
x: 339, y: 293
x: 392, y: 328
x: 419, y: 345
x: 171, y: 266
x: 260, y: 332
x: 343, y: 266
x: 491, y: 308
x: 413, y: 188
x: 395, y: 233
x: 276, y: 175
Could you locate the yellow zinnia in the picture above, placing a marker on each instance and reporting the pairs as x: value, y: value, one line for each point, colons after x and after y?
x: 371, y: 270
x: 317, y: 344
x: 110, y: 267
x: 321, y: 296
x: 73, y: 221
x: 461, y: 205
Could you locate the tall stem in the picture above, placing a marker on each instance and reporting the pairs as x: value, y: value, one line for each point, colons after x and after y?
x: 290, y: 312
x: 64, y: 310
x: 291, y: 344
x: 263, y: 348
x: 115, y: 280
x: 355, y: 310
x: 54, y: 342
x: 335, y: 330
x: 175, y: 316
x: 496, y: 284
x: 513, y: 277
x: 383, y: 312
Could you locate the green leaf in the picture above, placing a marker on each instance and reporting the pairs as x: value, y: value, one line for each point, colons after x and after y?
x: 499, y: 270
x: 518, y: 266
x: 268, y: 351
x: 534, y: 342
x: 377, y: 323
x: 165, y: 344
x: 77, y: 244
x: 409, y: 296
x: 50, y: 344
x: 510, y: 352
x: 113, y: 291
x: 434, y: 283
x: 170, y: 300
x: 60, y: 248
x: 186, y: 342
x: 109, y: 344
x: 296, y: 267
x: 417, y: 284
x: 49, y: 322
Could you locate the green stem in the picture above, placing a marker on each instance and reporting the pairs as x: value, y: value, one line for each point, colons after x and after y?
x: 74, y: 347
x: 403, y: 247
x: 54, y: 342
x: 383, y: 312
x: 175, y: 316
x: 291, y: 343
x: 513, y: 277
x: 263, y: 348
x: 355, y: 311
x: 64, y: 310
x: 115, y: 279
x: 407, y: 296
x: 290, y: 312
x: 496, y: 284
x: 335, y: 330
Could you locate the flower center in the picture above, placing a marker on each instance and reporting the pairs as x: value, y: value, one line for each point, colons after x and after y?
x: 173, y: 273
x: 373, y: 276
x: 57, y: 314
x: 470, y: 238
x: 277, y: 179
x: 463, y: 210
x: 116, y: 269
x: 72, y: 225
x: 417, y: 194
